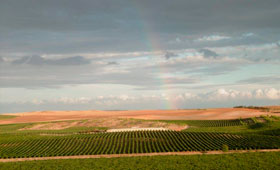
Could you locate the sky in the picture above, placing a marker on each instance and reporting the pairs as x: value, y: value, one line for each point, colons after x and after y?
x: 138, y: 54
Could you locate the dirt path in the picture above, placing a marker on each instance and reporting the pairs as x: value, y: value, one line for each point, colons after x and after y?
x: 135, y: 155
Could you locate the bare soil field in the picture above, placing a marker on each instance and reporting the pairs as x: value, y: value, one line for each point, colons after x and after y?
x: 188, y: 114
x: 115, y: 123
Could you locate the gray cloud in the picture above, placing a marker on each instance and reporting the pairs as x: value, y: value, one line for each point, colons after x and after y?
x: 38, y: 60
x: 169, y: 55
x: 49, y: 75
x: 278, y: 44
x: 208, y: 53
x: 140, y: 72
x: 71, y: 26
x: 112, y: 63
x: 72, y: 15
x: 120, y: 44
x: 261, y: 80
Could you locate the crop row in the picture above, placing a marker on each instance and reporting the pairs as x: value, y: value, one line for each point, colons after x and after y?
x: 221, y: 123
x: 218, y: 123
x: 132, y: 142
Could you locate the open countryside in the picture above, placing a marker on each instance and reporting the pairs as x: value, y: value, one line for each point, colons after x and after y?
x: 139, y: 85
x: 92, y: 136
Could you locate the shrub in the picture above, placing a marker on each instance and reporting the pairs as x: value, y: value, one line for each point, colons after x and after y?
x: 225, y: 148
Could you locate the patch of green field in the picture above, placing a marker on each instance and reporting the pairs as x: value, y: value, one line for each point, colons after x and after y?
x: 15, y: 128
x: 265, y: 128
x: 220, y: 123
x: 32, y: 145
x: 244, y: 161
x: 240, y: 134
x: 6, y: 117
x: 8, y: 128
x: 227, y: 129
x: 265, y: 125
x: 70, y: 130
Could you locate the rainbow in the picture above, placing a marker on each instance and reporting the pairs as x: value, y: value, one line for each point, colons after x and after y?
x: 153, y: 43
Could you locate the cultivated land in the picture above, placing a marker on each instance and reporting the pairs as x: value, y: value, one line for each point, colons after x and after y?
x: 96, y: 134
x: 244, y: 161
x: 189, y: 114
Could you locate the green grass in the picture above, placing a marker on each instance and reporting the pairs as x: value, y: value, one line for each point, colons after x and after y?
x: 2, y: 117
x: 244, y: 161
x: 12, y: 127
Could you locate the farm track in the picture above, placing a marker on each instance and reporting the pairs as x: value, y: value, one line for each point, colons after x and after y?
x: 135, y: 155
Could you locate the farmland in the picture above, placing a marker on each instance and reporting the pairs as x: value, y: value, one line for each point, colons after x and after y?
x: 258, y: 133
x: 131, y: 142
x: 246, y: 161
x: 111, y: 136
x: 216, y: 123
x: 3, y: 117
x: 184, y: 114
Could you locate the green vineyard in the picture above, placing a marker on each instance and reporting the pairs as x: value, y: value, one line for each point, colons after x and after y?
x: 217, y: 123
x: 130, y: 142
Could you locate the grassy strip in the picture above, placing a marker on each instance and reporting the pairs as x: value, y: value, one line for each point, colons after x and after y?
x: 268, y: 160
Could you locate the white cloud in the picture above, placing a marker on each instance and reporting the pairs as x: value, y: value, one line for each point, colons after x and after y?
x: 37, y: 101
x: 270, y: 93
x: 223, y: 94
x: 249, y: 34
x: 69, y: 100
x: 213, y: 38
x: 218, y: 98
x: 216, y: 95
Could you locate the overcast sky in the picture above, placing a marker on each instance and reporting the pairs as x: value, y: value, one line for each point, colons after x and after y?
x: 138, y: 54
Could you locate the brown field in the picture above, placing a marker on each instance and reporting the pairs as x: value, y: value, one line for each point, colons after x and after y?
x: 111, y: 123
x: 189, y: 114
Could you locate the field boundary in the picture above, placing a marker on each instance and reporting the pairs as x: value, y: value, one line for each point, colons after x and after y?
x: 136, y: 155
